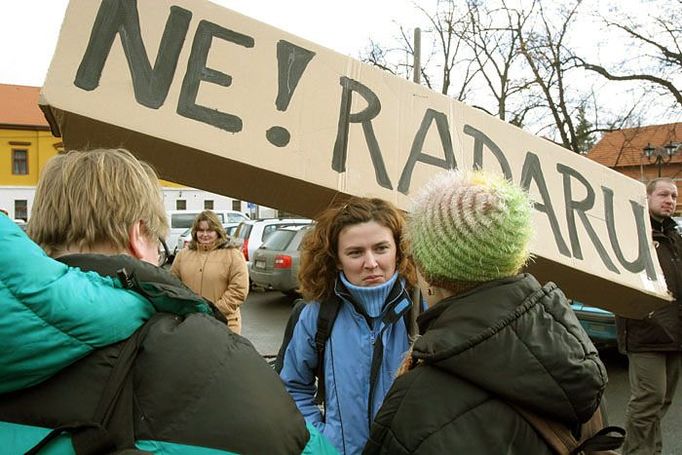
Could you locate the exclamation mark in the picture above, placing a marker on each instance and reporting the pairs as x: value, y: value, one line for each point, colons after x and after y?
x: 292, y: 61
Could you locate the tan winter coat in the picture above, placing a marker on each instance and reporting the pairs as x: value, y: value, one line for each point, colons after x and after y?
x: 219, y: 274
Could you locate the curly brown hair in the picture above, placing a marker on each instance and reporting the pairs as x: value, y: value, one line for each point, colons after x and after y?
x: 319, y: 248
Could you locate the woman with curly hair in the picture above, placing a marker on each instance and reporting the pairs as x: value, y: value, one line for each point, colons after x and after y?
x: 352, y: 258
x: 213, y: 267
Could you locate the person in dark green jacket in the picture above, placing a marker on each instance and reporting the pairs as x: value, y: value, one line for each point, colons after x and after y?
x: 193, y: 387
x: 492, y: 339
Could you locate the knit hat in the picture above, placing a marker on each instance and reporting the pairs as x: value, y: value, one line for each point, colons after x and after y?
x: 469, y: 227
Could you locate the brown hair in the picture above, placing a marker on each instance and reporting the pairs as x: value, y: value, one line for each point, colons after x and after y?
x: 319, y: 249
x: 651, y: 185
x: 213, y: 224
x: 88, y: 199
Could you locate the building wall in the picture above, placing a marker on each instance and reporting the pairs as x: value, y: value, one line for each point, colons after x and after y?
x: 41, y: 146
x: 10, y: 194
x: 196, y: 200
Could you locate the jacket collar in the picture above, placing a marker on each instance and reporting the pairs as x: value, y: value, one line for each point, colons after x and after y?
x: 428, y: 317
x: 665, y: 226
x: 165, y: 292
x: 394, y: 296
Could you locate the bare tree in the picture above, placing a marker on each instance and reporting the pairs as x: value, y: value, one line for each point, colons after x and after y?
x: 654, y: 43
x: 550, y: 61
x: 449, y: 60
x: 495, y: 48
x: 515, y: 63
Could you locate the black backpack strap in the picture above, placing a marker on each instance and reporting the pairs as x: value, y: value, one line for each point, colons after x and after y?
x: 329, y: 310
x: 608, y: 438
x: 299, y: 304
x: 111, y: 427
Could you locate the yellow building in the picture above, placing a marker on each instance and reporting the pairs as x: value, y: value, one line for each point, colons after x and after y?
x: 25, y: 145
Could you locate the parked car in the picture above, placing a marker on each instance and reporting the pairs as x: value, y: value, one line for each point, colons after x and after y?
x: 275, y: 263
x: 181, y: 220
x: 252, y: 233
x: 599, y: 324
x: 186, y: 236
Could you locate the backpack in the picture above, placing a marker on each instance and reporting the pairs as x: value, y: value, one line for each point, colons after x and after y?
x: 592, y: 438
x: 329, y: 310
x: 111, y: 429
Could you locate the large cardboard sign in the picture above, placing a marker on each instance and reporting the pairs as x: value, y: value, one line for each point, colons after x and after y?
x: 219, y: 101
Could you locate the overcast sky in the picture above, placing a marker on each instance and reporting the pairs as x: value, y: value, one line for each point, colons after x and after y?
x: 30, y: 28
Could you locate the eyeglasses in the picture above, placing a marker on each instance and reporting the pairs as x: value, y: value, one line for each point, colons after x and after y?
x: 163, y: 252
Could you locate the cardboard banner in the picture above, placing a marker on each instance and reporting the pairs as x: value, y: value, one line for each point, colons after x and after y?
x: 218, y: 101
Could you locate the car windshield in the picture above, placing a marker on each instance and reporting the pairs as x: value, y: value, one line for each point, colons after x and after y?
x: 235, y: 217
x: 278, y: 239
x: 182, y: 220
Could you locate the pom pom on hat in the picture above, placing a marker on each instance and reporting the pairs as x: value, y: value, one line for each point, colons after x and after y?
x: 470, y: 226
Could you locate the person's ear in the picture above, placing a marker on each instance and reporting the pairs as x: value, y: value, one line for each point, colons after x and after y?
x: 137, y: 242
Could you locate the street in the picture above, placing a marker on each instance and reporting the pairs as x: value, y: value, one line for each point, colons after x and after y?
x: 265, y: 315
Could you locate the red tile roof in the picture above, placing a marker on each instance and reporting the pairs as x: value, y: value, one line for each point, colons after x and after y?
x: 19, y: 106
x: 625, y: 147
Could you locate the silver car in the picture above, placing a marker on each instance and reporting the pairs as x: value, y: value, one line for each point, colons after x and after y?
x: 275, y: 263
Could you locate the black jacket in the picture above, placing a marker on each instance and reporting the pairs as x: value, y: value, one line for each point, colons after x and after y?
x: 507, y: 341
x: 662, y: 329
x: 197, y: 385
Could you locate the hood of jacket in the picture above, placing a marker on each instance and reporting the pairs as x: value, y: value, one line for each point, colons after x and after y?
x: 163, y: 291
x: 519, y: 341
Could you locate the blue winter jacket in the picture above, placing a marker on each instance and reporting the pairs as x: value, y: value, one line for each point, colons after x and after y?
x: 61, y: 327
x: 347, y: 362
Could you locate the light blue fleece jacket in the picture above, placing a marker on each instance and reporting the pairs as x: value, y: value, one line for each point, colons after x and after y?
x: 348, y: 358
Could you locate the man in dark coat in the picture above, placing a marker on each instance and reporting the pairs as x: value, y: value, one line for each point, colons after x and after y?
x: 653, y: 344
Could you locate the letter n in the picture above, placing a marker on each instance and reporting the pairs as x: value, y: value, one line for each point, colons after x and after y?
x: 120, y: 17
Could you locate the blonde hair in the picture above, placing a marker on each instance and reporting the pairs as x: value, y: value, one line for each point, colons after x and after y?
x: 88, y: 199
x: 213, y: 224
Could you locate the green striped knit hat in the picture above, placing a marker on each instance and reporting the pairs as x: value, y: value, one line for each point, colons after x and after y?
x: 469, y: 227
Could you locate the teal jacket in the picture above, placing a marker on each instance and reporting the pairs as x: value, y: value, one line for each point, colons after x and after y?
x: 199, y: 388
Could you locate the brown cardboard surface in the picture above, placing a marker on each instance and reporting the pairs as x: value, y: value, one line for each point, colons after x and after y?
x: 253, y: 112
x: 596, y: 291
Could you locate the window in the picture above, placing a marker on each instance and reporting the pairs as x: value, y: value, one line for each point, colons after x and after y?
x: 19, y: 162
x: 279, y: 239
x: 237, y: 205
x: 208, y: 205
x: 21, y: 209
x: 181, y: 204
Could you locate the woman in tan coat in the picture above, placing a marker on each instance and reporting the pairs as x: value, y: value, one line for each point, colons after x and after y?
x: 213, y: 267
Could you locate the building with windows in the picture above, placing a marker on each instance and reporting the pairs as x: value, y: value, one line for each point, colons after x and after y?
x: 26, y: 144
